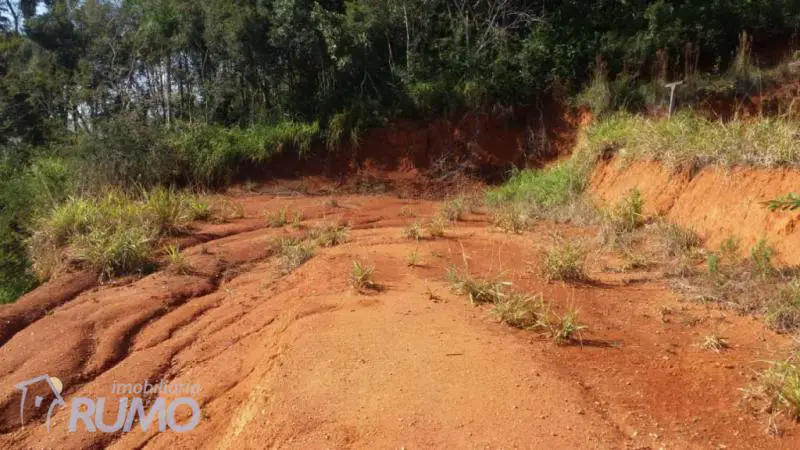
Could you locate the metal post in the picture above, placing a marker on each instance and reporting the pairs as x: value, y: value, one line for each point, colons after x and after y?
x: 672, y: 87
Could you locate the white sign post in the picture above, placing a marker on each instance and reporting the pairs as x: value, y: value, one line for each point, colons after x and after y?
x: 672, y: 87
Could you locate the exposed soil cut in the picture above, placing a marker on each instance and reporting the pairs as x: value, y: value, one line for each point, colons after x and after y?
x: 305, y: 361
x: 716, y: 202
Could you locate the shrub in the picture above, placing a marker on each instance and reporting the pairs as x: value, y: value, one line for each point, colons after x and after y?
x: 277, y: 219
x: 116, y: 251
x: 177, y: 262
x: 165, y: 208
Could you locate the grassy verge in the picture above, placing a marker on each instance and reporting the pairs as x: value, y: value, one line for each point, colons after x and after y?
x: 689, y: 138
x: 114, y: 234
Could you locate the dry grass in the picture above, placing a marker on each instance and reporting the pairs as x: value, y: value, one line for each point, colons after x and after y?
x: 564, y: 261
x: 361, y: 277
x: 477, y: 290
x: 520, y: 311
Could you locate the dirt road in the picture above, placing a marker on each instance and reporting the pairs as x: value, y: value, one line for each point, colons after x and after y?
x: 305, y: 361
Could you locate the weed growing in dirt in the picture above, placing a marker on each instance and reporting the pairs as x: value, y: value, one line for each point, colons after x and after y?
x: 565, y: 329
x: 407, y: 212
x: 227, y: 210
x: 453, y: 209
x: 361, y: 276
x: 331, y: 202
x: 510, y: 218
x: 165, y: 208
x: 627, y: 216
x: 520, y: 311
x: 330, y: 235
x: 435, y: 228
x: 783, y: 311
x: 199, y: 210
x: 564, y: 261
x: 292, y: 253
x: 762, y: 254
x: 413, y: 231
x: 277, y: 219
x: 779, y: 387
x: 177, y: 261
x: 677, y: 241
x: 715, y: 342
x: 413, y: 258
x: 479, y: 291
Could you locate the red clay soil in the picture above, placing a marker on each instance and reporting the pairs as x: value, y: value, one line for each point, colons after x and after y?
x: 305, y: 361
x: 715, y: 202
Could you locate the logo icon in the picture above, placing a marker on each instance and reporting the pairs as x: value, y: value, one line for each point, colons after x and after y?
x: 55, y: 385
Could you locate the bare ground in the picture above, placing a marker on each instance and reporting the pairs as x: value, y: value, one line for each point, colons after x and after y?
x: 305, y: 361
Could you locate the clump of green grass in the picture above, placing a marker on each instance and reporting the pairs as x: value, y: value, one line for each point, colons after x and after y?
x: 361, y: 276
x: 779, y: 386
x: 564, y: 261
x: 116, y: 251
x: 413, y: 231
x: 715, y: 342
x: 541, y: 189
x: 115, y: 234
x: 565, y: 329
x: 477, y: 290
x: 177, y: 261
x: 198, y: 210
x: 520, y: 311
x: 292, y: 253
x: 330, y: 235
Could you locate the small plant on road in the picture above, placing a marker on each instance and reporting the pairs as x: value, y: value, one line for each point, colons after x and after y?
x: 413, y: 258
x: 361, y: 276
x: 177, y: 262
x: 478, y: 291
x: 520, y: 311
x: 566, y: 329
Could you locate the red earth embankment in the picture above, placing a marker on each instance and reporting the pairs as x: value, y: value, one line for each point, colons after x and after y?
x: 716, y: 202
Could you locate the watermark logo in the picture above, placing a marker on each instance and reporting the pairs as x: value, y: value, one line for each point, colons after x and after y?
x: 55, y: 385
x: 90, y: 413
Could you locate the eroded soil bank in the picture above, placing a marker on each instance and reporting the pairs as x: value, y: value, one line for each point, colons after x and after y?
x: 716, y: 202
x: 305, y: 361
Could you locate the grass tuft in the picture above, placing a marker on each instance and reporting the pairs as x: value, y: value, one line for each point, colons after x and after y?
x: 564, y: 261
x: 520, y: 311
x: 478, y: 291
x: 361, y: 276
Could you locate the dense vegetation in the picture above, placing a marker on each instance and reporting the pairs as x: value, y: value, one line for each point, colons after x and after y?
x: 140, y: 93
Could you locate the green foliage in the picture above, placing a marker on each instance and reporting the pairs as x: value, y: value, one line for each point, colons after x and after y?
x: 789, y: 202
x: 478, y: 290
x: 761, y: 254
x: 115, y: 234
x: 542, y: 188
x: 520, y: 311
